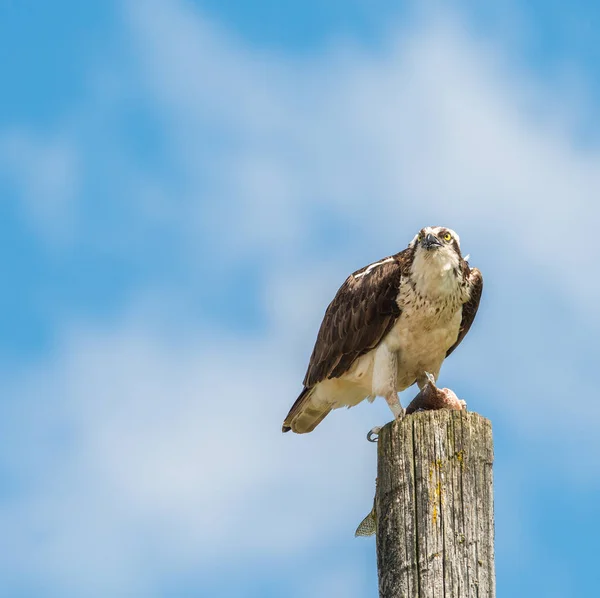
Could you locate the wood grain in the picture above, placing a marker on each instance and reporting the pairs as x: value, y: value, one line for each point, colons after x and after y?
x: 434, y: 507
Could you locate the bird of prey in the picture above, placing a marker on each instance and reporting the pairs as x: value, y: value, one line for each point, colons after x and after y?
x: 391, y: 324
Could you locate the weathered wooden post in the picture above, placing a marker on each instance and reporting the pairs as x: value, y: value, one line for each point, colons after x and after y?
x: 434, y: 507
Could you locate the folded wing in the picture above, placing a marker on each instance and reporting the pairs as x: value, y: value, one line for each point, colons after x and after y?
x: 362, y: 312
x: 470, y: 307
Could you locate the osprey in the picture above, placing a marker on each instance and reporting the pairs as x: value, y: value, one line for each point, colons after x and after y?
x: 391, y: 324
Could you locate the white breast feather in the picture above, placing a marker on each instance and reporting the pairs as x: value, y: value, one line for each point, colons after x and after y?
x: 431, y: 312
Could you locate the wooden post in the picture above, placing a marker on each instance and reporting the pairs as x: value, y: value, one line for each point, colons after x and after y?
x: 434, y: 507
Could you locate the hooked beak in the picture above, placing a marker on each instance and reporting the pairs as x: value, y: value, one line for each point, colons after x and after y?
x: 430, y: 242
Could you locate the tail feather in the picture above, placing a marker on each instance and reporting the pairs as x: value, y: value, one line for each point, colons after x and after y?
x: 305, y: 414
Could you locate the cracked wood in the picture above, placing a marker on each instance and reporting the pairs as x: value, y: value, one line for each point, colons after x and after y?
x: 434, y: 505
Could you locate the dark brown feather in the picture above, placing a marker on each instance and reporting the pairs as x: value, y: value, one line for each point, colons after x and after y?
x: 362, y: 312
x: 302, y: 397
x: 475, y: 281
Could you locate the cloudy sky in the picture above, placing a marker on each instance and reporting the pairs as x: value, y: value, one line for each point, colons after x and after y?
x: 184, y: 185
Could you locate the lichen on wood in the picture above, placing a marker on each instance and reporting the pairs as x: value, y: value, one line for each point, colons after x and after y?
x: 434, y: 507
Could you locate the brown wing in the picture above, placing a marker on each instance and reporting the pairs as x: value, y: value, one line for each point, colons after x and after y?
x: 360, y: 315
x: 470, y: 307
x: 362, y: 312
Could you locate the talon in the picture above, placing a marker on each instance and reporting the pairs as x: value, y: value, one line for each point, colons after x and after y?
x: 430, y: 377
x: 372, y: 434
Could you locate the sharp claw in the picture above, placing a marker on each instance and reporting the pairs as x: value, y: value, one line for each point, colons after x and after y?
x: 373, y: 433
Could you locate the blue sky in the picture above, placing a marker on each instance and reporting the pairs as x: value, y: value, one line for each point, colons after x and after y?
x: 185, y: 185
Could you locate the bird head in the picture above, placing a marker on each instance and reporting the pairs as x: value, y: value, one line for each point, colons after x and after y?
x: 437, y: 266
x: 439, y: 243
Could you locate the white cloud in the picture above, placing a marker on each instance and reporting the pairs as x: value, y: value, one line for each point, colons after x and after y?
x: 437, y: 128
x: 174, y: 454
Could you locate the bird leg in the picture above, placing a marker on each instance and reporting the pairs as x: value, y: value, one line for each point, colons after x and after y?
x: 385, y: 372
x: 394, y: 404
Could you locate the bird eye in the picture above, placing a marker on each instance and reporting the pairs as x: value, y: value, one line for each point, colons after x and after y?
x: 447, y: 237
x: 419, y: 237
